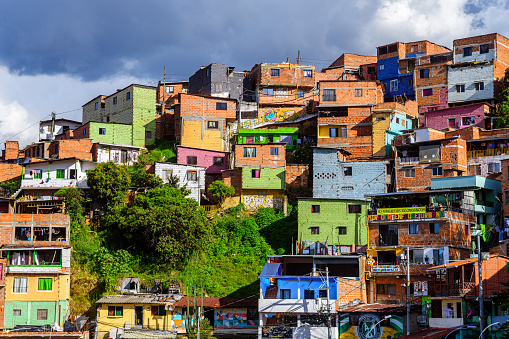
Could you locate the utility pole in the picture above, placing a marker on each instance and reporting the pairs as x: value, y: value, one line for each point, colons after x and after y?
x: 408, y: 290
x: 481, y: 301
x: 298, y: 58
x: 53, y: 114
x: 163, y: 104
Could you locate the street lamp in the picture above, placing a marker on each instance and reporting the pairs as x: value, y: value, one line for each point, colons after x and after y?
x: 468, y: 326
x: 480, y: 335
x: 374, y: 326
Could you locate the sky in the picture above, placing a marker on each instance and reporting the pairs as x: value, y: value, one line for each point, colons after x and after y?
x: 57, y: 55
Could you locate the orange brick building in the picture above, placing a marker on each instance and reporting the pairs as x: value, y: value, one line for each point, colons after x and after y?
x: 266, y: 155
x: 345, y: 115
x: 167, y: 97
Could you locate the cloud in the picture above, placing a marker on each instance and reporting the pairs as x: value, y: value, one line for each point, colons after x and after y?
x: 15, y: 123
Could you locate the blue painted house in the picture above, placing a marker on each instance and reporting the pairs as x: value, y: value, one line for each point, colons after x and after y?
x: 396, y: 64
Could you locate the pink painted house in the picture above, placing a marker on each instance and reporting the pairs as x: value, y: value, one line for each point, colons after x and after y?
x: 213, y: 161
x: 457, y: 117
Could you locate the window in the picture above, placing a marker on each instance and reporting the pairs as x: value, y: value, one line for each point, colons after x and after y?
x: 474, y: 169
x: 409, y: 172
x: 148, y: 134
x: 19, y: 285
x: 207, y: 72
x: 42, y: 314
x: 413, y: 48
x: 221, y: 106
x: 479, y: 86
x: 354, y: 209
x: 84, y: 132
x: 460, y: 88
x: 322, y: 293
x: 169, y: 89
x: 343, y: 132
x: 282, y: 92
x: 45, y: 284
x: 467, y: 51
x: 255, y: 173
x: 37, y: 174
x: 73, y: 174
x: 410, y: 83
x: 427, y: 92
x: 315, y: 208
x: 212, y: 124
x: 102, y: 131
x: 341, y: 230
x: 413, y: 228
x: 397, y: 121
x: 309, y: 294
x: 329, y: 95
x: 128, y: 96
x: 274, y: 72
x: 424, y: 73
x: 166, y: 174
x: 16, y: 313
x: 494, y: 167
x: 96, y: 106
x: 218, y: 161
x: 158, y: 311
x: 371, y: 70
x: 451, y: 122
x: 333, y: 132
x: 484, y: 49
x: 468, y: 121
x: 192, y: 160
x: 268, y: 92
x: 300, y: 94
x: 285, y: 294
x: 434, y: 228
x: 249, y: 152
x: 274, y: 151
x: 347, y: 171
x: 358, y: 92
x: 307, y: 73
x: 192, y: 176
x: 315, y: 230
x: 394, y: 85
x: 381, y: 67
x: 386, y: 289
x: 115, y: 311
x: 437, y: 171
x: 114, y: 100
x: 467, y: 230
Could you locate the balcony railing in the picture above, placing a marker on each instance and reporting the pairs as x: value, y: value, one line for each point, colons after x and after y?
x: 487, y: 152
x: 408, y: 160
x: 453, y: 290
x: 485, y: 203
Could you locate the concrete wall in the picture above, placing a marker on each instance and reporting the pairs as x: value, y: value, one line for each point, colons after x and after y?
x: 180, y: 171
x: 333, y: 214
x: 440, y: 119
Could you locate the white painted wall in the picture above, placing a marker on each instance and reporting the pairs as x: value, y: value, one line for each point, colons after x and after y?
x: 113, y: 153
x: 45, y: 129
x: 467, y: 76
x: 49, y: 178
x: 476, y: 55
x: 180, y: 171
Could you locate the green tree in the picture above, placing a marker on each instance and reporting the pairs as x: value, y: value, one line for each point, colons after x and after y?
x: 220, y: 191
x: 73, y: 198
x: 503, y: 109
x: 106, y: 180
x: 303, y: 154
x: 162, y: 223
x: 10, y: 187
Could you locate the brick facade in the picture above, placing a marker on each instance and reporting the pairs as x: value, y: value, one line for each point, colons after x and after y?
x: 11, y: 151
x: 233, y: 178
x: 504, y: 164
x: 79, y: 148
x: 262, y: 155
x: 10, y: 172
x: 296, y: 175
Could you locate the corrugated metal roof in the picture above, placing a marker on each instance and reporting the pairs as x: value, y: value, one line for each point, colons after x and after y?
x: 218, y: 302
x: 143, y: 333
x: 139, y: 299
x: 270, y: 270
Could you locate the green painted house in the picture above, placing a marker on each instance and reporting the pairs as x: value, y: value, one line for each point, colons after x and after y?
x: 110, y: 133
x: 134, y: 105
x: 289, y: 135
x: 263, y: 178
x: 338, y: 222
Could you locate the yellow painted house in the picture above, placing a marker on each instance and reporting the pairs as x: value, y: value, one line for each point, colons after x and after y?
x: 116, y: 313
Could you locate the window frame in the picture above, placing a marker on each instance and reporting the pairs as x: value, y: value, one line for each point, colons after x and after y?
x: 115, y: 100
x: 479, y: 85
x: 333, y: 135
x: 436, y: 227
x: 342, y: 230
x: 427, y: 92
x: 191, y: 160
x: 42, y: 314
x: 221, y: 106
x: 358, y: 92
x: 96, y: 106
x: 413, y: 230
x: 315, y: 208
x: 347, y: 171
x: 218, y: 161
x: 307, y: 73
x: 20, y: 289
x: 315, y: 230
x: 411, y: 170
x: 484, y: 49
x: 275, y: 72
x: 192, y: 176
x: 16, y: 310
x: 128, y: 96
x: 246, y: 153
x: 102, y: 131
x: 300, y: 93
x: 467, y: 51
x: 157, y: 309
x: 268, y: 92
x: 71, y: 171
x: 274, y: 151
x: 329, y: 94
x: 170, y: 89
x: 460, y: 88
x: 381, y: 67
x: 437, y: 171
x: 45, y: 282
x: 256, y: 173
x: 212, y: 124
x: 356, y: 206
x: 424, y: 73
x: 148, y: 135
x: 393, y: 85
x: 116, y: 309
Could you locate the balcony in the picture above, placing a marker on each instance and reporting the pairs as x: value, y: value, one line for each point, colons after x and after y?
x: 445, y: 322
x: 408, y: 160
x: 488, y: 152
x: 453, y: 290
x: 53, y: 183
x: 291, y: 305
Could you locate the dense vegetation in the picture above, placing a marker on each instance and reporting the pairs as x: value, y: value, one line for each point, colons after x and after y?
x: 157, y: 233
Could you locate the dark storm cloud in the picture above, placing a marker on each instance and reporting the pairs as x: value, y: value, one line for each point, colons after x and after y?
x: 97, y: 39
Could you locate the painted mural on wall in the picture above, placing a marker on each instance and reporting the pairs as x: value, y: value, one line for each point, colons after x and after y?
x: 367, y: 326
x: 178, y: 323
x: 224, y: 319
x: 274, y: 115
x: 255, y: 201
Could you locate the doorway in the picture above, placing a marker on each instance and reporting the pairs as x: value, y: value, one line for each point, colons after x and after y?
x: 138, y: 316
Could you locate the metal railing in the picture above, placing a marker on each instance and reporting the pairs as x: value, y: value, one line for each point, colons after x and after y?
x: 450, y: 290
x: 408, y: 159
x: 487, y: 152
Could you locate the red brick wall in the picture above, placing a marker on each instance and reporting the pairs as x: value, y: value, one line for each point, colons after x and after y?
x: 233, y: 178
x: 200, y: 106
x: 351, y: 60
x: 289, y: 75
x: 11, y: 151
x: 400, y: 295
x: 78, y: 148
x: 372, y: 92
x: 263, y: 157
x: 504, y: 164
x: 409, y: 107
x: 468, y: 133
x: 10, y: 172
x: 166, y: 120
x: 297, y: 175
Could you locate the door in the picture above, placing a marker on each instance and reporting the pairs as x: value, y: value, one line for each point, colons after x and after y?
x: 138, y: 316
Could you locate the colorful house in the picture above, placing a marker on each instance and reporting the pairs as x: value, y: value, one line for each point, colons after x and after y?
x: 288, y: 135
x: 338, y: 225
x: 190, y: 175
x: 213, y: 161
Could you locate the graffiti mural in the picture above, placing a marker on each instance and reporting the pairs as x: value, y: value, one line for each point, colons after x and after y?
x: 255, y: 201
x: 368, y: 326
x: 235, y: 319
x: 279, y: 114
x: 177, y: 322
